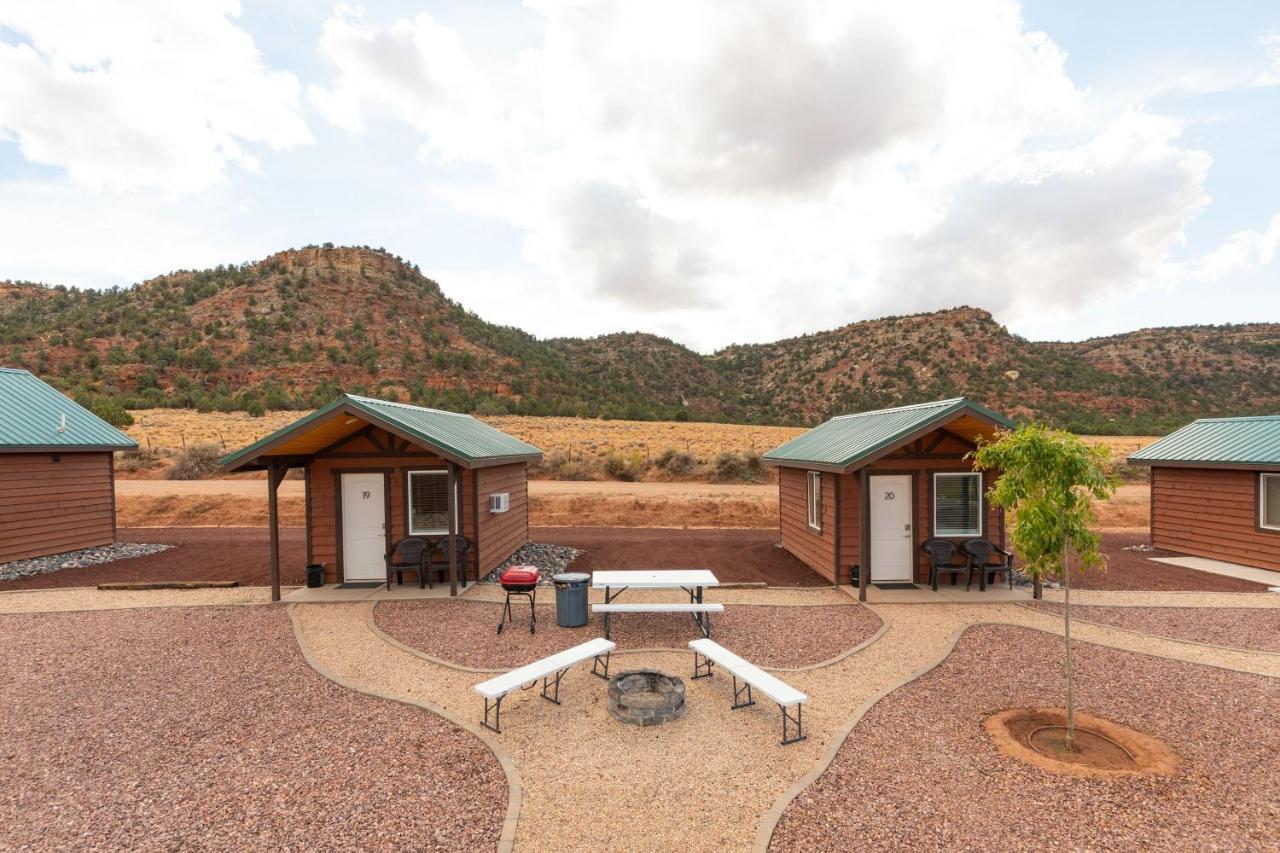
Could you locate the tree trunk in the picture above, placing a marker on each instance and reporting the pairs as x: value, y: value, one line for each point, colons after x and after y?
x: 1066, y: 621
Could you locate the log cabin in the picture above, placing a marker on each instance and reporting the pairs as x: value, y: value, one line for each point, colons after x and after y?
x: 57, y: 481
x: 867, y: 489
x: 376, y: 471
x: 1215, y: 490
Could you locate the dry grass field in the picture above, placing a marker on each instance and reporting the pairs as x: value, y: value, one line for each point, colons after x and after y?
x: 575, y: 439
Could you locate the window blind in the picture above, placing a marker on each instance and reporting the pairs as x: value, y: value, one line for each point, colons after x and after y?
x: 957, y: 504
x: 428, y: 502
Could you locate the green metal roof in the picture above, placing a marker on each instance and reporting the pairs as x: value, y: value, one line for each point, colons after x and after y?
x: 36, y: 416
x: 844, y: 441
x: 1218, y: 441
x: 461, y: 437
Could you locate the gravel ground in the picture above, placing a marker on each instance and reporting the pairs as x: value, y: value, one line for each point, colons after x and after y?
x: 1130, y: 569
x: 78, y: 559
x: 919, y: 757
x: 88, y: 598
x: 204, y: 728
x: 735, y: 555
x: 1244, y: 628
x: 550, y: 560
x: 198, y: 553
x: 463, y: 632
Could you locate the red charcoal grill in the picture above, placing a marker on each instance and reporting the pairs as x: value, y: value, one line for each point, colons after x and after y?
x: 520, y: 580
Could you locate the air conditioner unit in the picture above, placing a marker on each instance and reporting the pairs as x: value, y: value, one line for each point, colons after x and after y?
x: 500, y: 502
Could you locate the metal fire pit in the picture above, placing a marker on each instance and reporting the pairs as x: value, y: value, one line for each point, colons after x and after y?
x: 645, y: 697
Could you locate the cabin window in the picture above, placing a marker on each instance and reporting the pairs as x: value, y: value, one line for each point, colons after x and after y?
x: 1269, y: 501
x: 957, y: 504
x: 428, y: 503
x: 813, y: 495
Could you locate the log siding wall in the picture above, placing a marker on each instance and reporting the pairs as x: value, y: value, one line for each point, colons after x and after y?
x: 816, y: 549
x: 49, y: 507
x: 1211, y: 512
x: 501, y: 533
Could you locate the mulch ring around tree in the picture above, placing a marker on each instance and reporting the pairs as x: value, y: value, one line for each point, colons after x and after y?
x: 1255, y: 628
x: 920, y: 770
x: 465, y: 632
x: 204, y: 728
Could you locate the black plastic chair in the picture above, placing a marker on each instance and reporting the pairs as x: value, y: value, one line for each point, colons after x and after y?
x: 942, y: 554
x: 438, y: 559
x: 979, y: 553
x: 408, y: 555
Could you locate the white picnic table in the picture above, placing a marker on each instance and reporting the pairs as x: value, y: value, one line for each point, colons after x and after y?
x: 692, y: 581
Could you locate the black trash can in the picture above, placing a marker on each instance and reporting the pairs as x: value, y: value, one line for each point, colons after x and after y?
x: 571, y: 599
x: 315, y: 575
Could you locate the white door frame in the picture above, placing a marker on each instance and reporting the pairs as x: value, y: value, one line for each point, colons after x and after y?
x: 902, y: 569
x: 372, y: 565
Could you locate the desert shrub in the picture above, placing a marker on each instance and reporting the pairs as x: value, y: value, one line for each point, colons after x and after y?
x: 558, y: 466
x: 112, y: 412
x: 626, y: 468
x: 137, y: 460
x: 728, y: 468
x: 196, y: 462
x: 675, y: 462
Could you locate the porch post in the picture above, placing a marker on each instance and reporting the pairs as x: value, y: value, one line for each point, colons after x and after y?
x: 452, y: 504
x: 274, y: 475
x: 864, y: 532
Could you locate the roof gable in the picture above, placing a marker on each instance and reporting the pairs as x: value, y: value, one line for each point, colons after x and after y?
x: 36, y: 416
x: 849, y: 441
x: 1244, y: 442
x: 457, y: 437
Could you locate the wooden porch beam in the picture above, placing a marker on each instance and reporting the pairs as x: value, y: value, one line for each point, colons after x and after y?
x: 275, y: 475
x: 452, y: 526
x: 864, y: 532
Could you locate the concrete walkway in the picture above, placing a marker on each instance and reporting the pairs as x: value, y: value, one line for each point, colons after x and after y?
x: 1219, y: 567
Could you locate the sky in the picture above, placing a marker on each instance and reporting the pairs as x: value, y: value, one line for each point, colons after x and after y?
x: 713, y: 172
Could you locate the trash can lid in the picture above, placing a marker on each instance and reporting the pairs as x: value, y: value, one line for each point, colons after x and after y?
x: 570, y: 577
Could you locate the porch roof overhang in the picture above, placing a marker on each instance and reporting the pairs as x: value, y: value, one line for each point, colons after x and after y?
x: 850, y: 442
x: 461, y: 439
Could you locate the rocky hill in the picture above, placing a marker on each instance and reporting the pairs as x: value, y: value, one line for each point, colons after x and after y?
x: 292, y: 330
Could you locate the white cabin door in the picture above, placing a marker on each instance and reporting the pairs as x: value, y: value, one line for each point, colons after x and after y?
x: 364, y: 527
x: 892, y: 537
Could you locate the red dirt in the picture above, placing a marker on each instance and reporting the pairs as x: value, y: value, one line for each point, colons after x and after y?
x: 1255, y: 628
x: 205, y: 729
x: 919, y: 772
x: 202, y: 553
x: 1134, y: 570
x: 736, y: 556
x: 769, y: 636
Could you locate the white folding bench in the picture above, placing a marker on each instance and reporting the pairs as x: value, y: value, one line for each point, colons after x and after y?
x: 701, y: 612
x: 554, y: 667
x: 707, y: 653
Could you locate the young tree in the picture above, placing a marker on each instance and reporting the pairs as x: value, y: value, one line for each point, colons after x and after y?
x: 1049, y: 479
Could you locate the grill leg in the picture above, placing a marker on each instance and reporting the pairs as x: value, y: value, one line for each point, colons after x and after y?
x: 702, y: 666
x: 493, y: 706
x: 595, y: 666
x: 797, y: 720
x: 737, y: 694
x: 533, y: 611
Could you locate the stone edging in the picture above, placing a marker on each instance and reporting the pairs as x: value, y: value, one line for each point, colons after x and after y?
x: 507, y: 839
x: 457, y: 667
x: 769, y: 821
x: 1136, y: 633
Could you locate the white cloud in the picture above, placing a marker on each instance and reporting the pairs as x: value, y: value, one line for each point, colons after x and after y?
x: 415, y: 70
x: 129, y: 95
